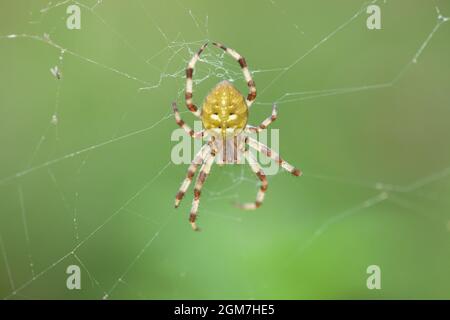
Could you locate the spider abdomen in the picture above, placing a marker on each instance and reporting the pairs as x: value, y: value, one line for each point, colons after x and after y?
x: 224, y: 111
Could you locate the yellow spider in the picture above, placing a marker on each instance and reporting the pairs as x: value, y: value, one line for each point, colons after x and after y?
x: 224, y: 116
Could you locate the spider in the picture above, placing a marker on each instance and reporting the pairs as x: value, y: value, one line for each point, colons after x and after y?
x: 224, y: 117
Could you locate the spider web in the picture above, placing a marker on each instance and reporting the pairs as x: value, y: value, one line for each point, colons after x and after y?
x: 114, y: 239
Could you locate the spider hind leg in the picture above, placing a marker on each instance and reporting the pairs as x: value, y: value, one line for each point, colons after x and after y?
x: 199, y: 158
x: 204, y: 172
x: 256, y: 168
x: 260, y: 147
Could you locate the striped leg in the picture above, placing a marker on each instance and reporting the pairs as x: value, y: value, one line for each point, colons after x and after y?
x: 258, y: 146
x: 182, y: 124
x: 265, y: 123
x: 248, y: 78
x: 189, y: 82
x: 204, y: 171
x: 256, y: 168
x: 198, y: 159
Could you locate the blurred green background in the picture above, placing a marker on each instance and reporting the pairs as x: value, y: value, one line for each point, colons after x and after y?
x: 95, y: 186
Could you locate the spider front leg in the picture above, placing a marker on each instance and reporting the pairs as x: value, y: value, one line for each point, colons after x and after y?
x: 247, y: 75
x: 204, y: 171
x: 184, y: 126
x: 198, y: 159
x: 258, y: 146
x: 256, y: 168
x: 265, y: 123
x: 189, y: 82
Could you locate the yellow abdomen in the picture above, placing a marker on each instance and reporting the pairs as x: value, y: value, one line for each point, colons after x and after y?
x: 224, y: 111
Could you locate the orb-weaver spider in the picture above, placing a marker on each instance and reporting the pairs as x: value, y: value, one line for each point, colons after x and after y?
x: 224, y: 117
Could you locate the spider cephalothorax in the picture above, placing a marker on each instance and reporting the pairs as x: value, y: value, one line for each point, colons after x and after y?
x: 224, y: 115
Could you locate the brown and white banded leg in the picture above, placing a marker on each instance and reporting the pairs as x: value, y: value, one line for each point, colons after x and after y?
x: 204, y: 171
x: 248, y: 77
x: 198, y: 159
x: 189, y: 82
x: 265, y: 123
x: 258, y: 146
x: 256, y: 168
x: 184, y: 126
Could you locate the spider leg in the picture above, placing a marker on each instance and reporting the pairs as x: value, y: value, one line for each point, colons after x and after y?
x: 184, y: 126
x: 198, y: 159
x: 258, y: 146
x: 189, y: 82
x: 265, y: 123
x: 256, y: 168
x: 248, y: 77
x: 204, y: 171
